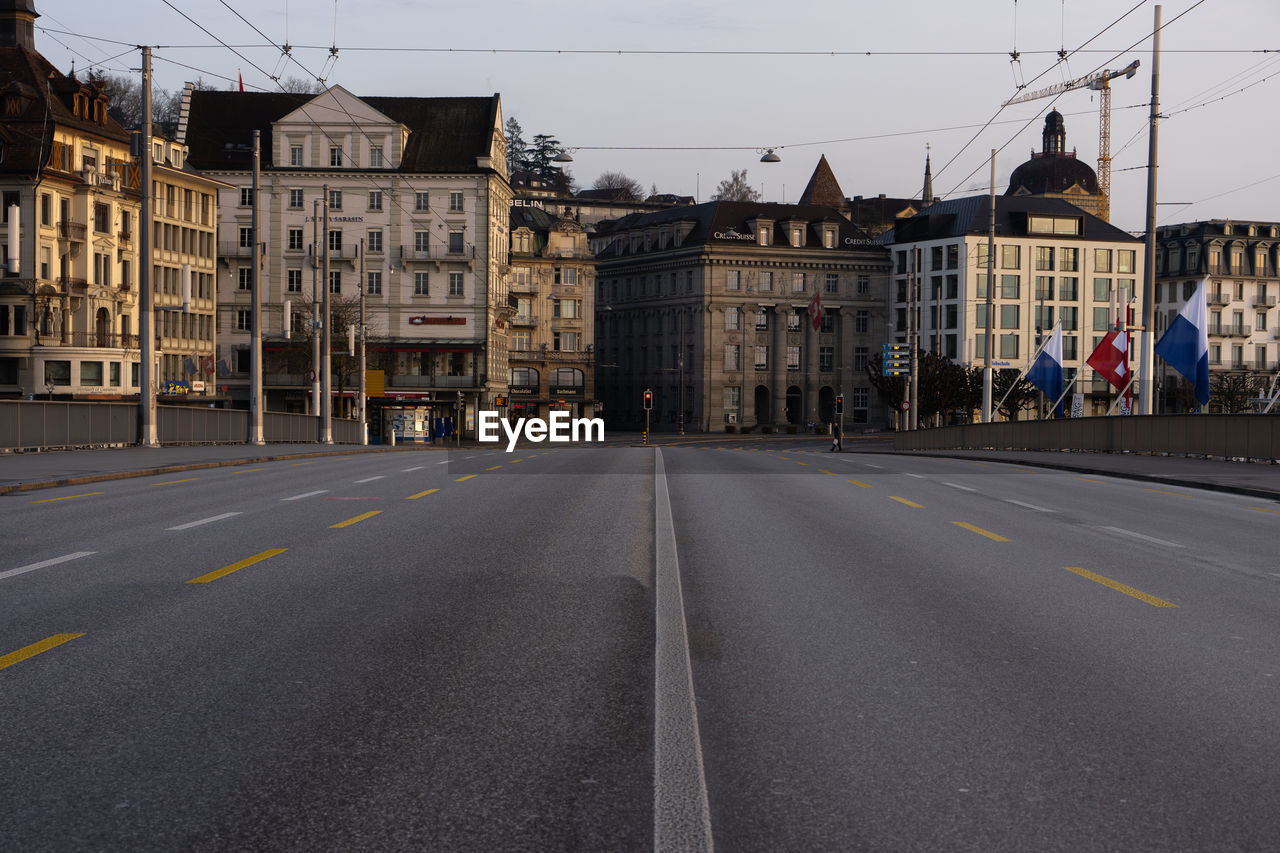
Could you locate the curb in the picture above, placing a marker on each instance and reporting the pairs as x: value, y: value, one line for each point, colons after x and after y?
x: 175, y: 469
x: 1108, y: 472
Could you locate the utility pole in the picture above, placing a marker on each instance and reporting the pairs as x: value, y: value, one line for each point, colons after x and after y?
x: 913, y: 339
x: 147, y: 436
x: 681, y: 359
x: 315, y: 316
x: 1146, y: 356
x: 326, y: 342
x: 991, y: 269
x: 255, y: 311
x: 360, y: 407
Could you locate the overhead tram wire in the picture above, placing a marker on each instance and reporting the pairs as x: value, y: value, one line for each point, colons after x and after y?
x: 1096, y: 68
x: 649, y: 52
x: 1002, y: 107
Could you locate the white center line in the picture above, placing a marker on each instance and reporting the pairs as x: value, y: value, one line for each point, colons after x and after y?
x: 45, y: 563
x: 415, y: 468
x: 880, y: 467
x: 445, y: 462
x: 371, y: 479
x: 960, y: 487
x: 1144, y: 537
x: 1029, y: 506
x: 210, y: 520
x: 468, y: 457
x: 917, y: 476
x: 305, y: 495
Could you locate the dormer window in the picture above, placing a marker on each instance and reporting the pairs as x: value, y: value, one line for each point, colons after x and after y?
x: 797, y: 235
x: 829, y: 237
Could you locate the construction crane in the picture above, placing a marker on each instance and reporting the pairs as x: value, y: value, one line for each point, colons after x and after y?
x: 1100, y: 82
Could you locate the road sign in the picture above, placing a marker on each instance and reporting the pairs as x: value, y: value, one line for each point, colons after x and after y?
x: 906, y: 404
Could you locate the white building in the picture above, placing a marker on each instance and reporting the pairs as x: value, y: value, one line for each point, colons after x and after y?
x: 1053, y: 261
x: 421, y: 182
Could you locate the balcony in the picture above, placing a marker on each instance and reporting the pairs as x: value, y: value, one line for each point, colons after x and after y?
x: 1219, y: 298
x: 73, y: 231
x: 1264, y: 302
x: 412, y: 381
x: 523, y: 320
x: 125, y: 238
x: 1234, y: 330
x: 234, y: 249
x: 91, y: 340
x: 73, y: 286
x: 438, y: 253
x: 584, y: 356
x: 524, y: 286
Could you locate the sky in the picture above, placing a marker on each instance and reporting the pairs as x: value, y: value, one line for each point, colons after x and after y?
x: 677, y: 94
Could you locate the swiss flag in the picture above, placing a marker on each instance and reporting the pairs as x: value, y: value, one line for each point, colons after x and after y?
x: 815, y: 311
x: 1111, y: 358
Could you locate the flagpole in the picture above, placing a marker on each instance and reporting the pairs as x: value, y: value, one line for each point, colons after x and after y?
x: 1124, y: 391
x: 1074, y: 380
x: 1030, y: 362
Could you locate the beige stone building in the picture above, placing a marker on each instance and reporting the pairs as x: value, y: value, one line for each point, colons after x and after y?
x: 738, y: 314
x: 1240, y: 260
x: 552, y: 334
x: 421, y: 185
x: 68, y: 294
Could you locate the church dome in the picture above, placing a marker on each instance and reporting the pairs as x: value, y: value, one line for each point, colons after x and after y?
x: 1055, y: 169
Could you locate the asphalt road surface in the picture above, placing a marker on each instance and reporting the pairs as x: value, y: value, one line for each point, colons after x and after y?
x: 619, y: 648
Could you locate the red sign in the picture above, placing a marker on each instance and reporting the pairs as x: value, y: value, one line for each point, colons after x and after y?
x: 422, y: 320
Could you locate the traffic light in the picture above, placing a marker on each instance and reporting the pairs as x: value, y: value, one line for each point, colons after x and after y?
x: 839, y: 404
x: 648, y: 399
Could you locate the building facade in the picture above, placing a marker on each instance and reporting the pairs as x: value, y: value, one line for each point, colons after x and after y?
x: 417, y: 205
x: 184, y: 247
x: 553, y: 326
x: 71, y: 202
x: 738, y: 314
x: 1241, y: 263
x: 1053, y: 263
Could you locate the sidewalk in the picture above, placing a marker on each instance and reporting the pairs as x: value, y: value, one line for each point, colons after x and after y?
x: 1244, y: 478
x: 24, y: 471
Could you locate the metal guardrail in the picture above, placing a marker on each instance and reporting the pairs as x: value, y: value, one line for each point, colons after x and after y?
x: 57, y: 424
x: 1221, y: 436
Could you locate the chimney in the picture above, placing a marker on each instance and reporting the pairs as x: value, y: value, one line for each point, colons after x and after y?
x: 18, y: 23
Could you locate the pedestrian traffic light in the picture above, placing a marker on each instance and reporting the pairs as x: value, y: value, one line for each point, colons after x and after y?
x: 648, y: 399
x: 839, y: 404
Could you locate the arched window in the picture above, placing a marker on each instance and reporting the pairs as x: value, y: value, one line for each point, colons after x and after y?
x: 524, y: 377
x: 567, y: 377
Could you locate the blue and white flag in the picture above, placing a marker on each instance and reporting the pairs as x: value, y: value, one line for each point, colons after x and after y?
x: 1046, y: 371
x: 1185, y: 344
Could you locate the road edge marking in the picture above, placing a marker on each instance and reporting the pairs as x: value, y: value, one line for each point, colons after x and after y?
x: 973, y: 528
x: 681, y: 809
x: 1120, y: 587
x: 28, y: 652
x: 235, y: 567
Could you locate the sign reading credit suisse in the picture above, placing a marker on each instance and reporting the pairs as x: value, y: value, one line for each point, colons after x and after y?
x: 423, y: 320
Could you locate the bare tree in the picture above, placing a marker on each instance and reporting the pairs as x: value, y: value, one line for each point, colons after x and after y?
x: 301, y: 86
x: 124, y: 101
x: 624, y: 188
x: 735, y: 188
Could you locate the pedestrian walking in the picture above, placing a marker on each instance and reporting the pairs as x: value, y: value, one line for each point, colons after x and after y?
x: 837, y: 437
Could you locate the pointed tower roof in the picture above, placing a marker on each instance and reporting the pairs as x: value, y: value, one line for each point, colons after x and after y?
x: 823, y: 188
x: 926, y: 197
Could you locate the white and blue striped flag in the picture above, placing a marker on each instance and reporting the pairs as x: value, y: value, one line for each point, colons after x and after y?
x: 1185, y: 344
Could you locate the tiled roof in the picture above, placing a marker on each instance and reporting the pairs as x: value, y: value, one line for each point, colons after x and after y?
x: 823, y: 188
x: 40, y: 88
x: 971, y: 215
x: 723, y: 217
x: 446, y: 134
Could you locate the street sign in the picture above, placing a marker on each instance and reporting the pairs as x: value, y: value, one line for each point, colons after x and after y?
x: 895, y: 360
x: 906, y: 404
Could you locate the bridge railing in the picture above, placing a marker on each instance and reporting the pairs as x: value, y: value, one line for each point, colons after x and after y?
x: 1221, y: 436
x: 48, y: 425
